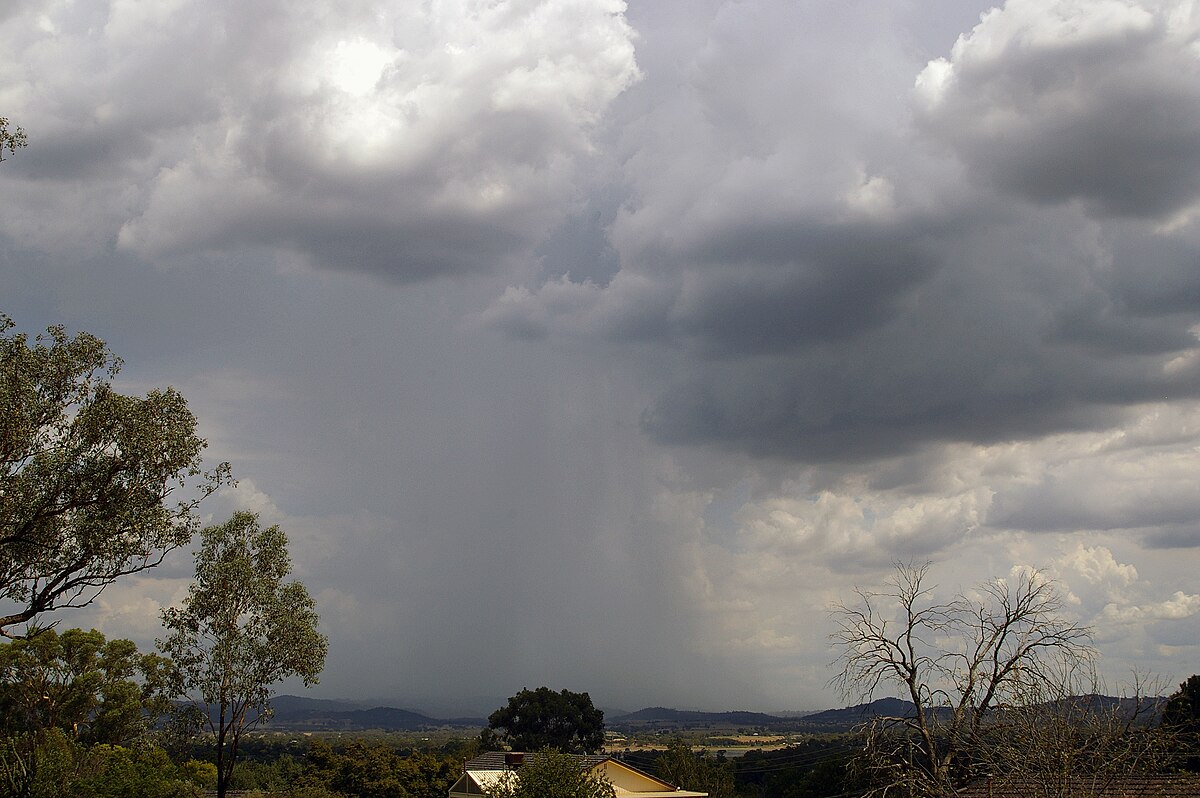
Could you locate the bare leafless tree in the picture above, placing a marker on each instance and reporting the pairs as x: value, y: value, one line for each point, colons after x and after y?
x: 957, y: 662
x: 1074, y: 736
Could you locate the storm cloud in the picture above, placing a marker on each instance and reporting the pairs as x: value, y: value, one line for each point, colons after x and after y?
x: 836, y: 290
x: 571, y: 340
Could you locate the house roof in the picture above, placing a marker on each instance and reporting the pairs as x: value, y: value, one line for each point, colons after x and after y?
x: 497, y: 760
x: 486, y: 770
x: 1173, y: 785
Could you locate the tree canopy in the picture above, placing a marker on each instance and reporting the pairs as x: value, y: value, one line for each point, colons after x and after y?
x: 1181, y: 719
x: 377, y: 770
x: 96, y: 690
x: 542, y: 718
x: 1183, y: 707
x: 241, y: 629
x: 700, y: 771
x: 85, y: 474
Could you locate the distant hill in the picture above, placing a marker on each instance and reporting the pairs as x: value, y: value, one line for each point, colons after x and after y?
x: 852, y: 716
x: 295, y: 712
x: 694, y: 718
x: 1143, y: 712
x: 310, y: 714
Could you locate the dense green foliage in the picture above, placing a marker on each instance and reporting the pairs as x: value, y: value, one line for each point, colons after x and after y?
x: 55, y: 765
x: 241, y: 629
x: 541, y: 718
x: 379, y: 767
x: 699, y: 771
x: 95, y: 690
x: 77, y: 715
x: 52, y: 764
x: 378, y: 771
x: 1181, y: 720
x: 85, y: 473
x: 813, y: 768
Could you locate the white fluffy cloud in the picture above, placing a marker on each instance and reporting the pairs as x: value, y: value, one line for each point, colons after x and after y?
x: 802, y: 543
x: 408, y: 142
x: 859, y: 530
x: 1178, y: 607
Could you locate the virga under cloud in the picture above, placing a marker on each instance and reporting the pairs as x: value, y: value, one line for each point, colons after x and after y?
x: 572, y: 334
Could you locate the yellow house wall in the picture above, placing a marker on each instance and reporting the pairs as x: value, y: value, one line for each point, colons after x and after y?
x: 625, y: 779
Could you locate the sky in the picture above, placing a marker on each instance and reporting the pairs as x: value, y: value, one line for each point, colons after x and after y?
x: 605, y: 346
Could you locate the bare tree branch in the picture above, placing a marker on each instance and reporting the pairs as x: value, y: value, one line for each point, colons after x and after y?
x: 957, y: 663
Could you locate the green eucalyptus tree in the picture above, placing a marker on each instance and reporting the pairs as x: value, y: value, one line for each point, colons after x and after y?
x: 95, y: 690
x: 241, y: 629
x: 700, y: 771
x: 86, y: 474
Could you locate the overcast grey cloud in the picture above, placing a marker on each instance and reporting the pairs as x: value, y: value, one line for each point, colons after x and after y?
x: 603, y: 346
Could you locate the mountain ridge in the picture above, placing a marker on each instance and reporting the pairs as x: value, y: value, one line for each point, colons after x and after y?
x: 300, y: 713
x: 311, y: 714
